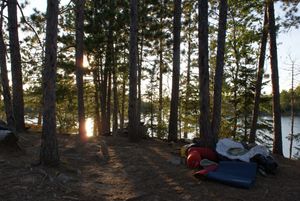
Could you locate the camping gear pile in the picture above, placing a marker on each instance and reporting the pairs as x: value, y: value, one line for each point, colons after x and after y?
x: 7, y: 137
x: 230, y: 163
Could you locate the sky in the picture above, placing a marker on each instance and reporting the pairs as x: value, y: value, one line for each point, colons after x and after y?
x: 287, y: 43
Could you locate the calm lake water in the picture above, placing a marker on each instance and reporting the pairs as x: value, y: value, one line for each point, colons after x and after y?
x: 286, y: 129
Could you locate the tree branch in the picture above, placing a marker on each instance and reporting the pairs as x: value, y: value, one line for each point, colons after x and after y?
x: 31, y: 27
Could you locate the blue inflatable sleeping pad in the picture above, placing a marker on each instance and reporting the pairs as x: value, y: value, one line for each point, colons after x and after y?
x: 234, y: 173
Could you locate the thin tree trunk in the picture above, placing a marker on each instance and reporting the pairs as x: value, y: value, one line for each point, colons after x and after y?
x: 39, y: 123
x: 292, y: 113
x: 115, y: 94
x: 103, y: 97
x: 235, y: 79
x: 173, y: 123
x: 151, y: 102
x: 97, y: 104
x: 217, y: 107
x: 132, y: 109
x: 140, y: 62
x: 4, y: 78
x: 16, y: 68
x: 49, y: 147
x: 187, y: 95
x: 277, y: 144
x: 261, y: 63
x: 188, y: 78
x: 123, y: 102
x: 161, y: 66
x: 79, y: 11
x: 108, y: 104
x: 205, y: 129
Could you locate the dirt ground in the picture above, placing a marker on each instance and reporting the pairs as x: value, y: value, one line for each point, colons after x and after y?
x: 144, y: 171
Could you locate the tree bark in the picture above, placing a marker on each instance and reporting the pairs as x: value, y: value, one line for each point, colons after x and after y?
x: 79, y: 11
x: 122, y: 116
x: 116, y: 102
x: 16, y: 68
x: 205, y: 129
x: 188, y: 88
x: 260, y: 72
x: 4, y: 78
x: 217, y: 105
x: 277, y: 144
x: 132, y: 109
x: 173, y: 123
x: 97, y: 105
x: 161, y: 68
x: 235, y: 79
x: 108, y: 104
x: 49, y: 147
x: 103, y: 97
x: 292, y: 112
x: 140, y: 62
x: 188, y: 75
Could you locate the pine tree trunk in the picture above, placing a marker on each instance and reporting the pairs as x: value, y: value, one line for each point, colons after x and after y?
x: 260, y: 72
x: 97, y: 105
x: 16, y: 68
x: 115, y: 95
x: 4, y: 79
x: 140, y: 62
x: 160, y: 104
x: 292, y: 113
x: 187, y: 95
x: 123, y: 102
x: 235, y: 79
x: 103, y: 97
x: 79, y: 11
x: 277, y: 144
x: 132, y: 109
x: 173, y: 123
x: 217, y: 107
x: 108, y: 105
x: 188, y: 78
x: 205, y: 129
x: 161, y: 68
x: 49, y: 147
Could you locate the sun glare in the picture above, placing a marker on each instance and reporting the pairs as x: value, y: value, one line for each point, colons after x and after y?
x: 85, y: 63
x: 89, y: 126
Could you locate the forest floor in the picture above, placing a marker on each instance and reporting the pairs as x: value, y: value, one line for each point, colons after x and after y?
x: 145, y: 171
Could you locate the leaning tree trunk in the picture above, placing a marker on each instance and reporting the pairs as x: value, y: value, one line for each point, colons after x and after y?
x: 49, y: 147
x: 216, y: 119
x: 16, y: 68
x: 79, y: 11
x: 260, y: 72
x: 173, y: 123
x: 205, y: 129
x: 277, y: 144
x: 4, y: 79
